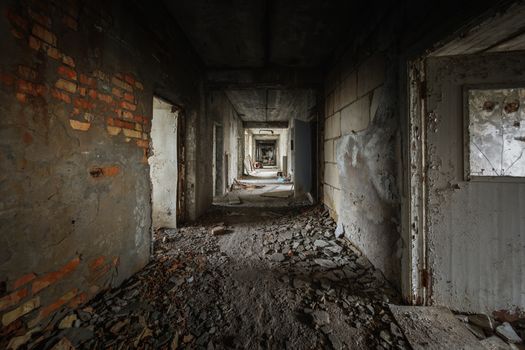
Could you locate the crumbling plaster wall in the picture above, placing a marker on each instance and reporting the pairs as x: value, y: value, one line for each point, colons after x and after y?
x: 76, y: 93
x: 221, y: 111
x: 360, y: 158
x: 476, y: 228
x: 364, y: 167
x: 163, y: 165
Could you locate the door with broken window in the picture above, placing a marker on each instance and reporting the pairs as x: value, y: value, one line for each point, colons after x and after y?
x: 476, y: 189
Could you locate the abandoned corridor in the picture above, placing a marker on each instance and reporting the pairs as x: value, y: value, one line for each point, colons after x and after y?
x: 262, y: 174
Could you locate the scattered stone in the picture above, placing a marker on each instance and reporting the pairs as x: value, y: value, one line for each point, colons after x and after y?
x: 207, y: 288
x: 476, y: 330
x: 336, y: 343
x: 321, y: 244
x: 462, y: 318
x: 63, y: 344
x: 67, y: 322
x: 395, y: 330
x: 494, y: 343
x: 20, y: 341
x: 508, y: 333
x: 339, y: 230
x: 187, y: 338
x: 277, y: 257
x: 329, y: 264
x: 321, y: 317
x: 483, y: 321
x: 218, y: 230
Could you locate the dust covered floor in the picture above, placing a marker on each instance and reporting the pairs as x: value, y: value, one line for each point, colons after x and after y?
x: 275, y: 279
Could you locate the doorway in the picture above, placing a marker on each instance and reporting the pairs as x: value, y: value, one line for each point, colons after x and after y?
x: 163, y: 164
x: 465, y: 188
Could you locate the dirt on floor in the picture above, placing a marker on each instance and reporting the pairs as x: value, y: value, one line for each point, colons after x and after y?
x: 272, y: 279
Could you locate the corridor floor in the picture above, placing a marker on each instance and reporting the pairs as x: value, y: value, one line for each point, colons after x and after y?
x: 276, y: 279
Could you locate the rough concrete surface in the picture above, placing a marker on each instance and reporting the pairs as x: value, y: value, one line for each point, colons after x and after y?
x: 267, y: 282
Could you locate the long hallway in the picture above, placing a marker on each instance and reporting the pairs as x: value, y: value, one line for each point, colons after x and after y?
x: 262, y: 174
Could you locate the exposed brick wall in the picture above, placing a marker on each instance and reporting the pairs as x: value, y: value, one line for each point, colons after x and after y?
x: 76, y: 93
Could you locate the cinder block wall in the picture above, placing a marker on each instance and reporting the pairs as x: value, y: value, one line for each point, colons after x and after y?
x: 77, y: 80
x: 365, y: 93
x: 359, y: 179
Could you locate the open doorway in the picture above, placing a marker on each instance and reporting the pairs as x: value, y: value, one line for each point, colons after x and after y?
x: 163, y: 164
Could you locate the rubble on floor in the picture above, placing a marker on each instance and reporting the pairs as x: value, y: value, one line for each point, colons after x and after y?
x: 274, y: 279
x: 494, y: 334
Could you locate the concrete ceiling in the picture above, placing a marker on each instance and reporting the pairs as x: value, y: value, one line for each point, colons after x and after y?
x: 257, y: 33
x: 503, y: 32
x: 271, y: 104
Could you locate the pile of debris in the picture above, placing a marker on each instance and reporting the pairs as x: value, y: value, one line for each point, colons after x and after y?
x: 247, y: 278
x: 494, y: 334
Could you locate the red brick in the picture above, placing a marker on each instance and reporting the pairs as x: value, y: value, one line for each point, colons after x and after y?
x: 82, y: 91
x: 120, y: 123
x: 70, y: 22
x: 53, y: 53
x: 40, y: 18
x: 129, y: 97
x: 83, y: 103
x: 95, y: 264
x: 12, y: 299
x: 22, y: 98
x: 121, y: 84
x: 66, y: 85
x: 7, y: 79
x: 68, y: 60
x: 105, y: 98
x: 52, y: 277
x: 80, y: 299
x: 60, y: 95
x: 84, y: 79
x: 34, y: 43
x: 67, y: 72
x: 117, y: 92
x: 128, y: 78
x: 143, y: 143
x: 49, y: 309
x: 23, y: 280
x: 44, y: 34
x: 122, y: 114
x: 93, y: 94
x: 31, y: 88
x: 128, y: 106
x: 16, y: 19
x: 111, y: 171
x: 26, y: 73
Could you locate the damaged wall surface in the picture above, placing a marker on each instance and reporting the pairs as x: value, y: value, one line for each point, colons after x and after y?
x: 359, y: 155
x: 364, y: 147
x: 76, y: 92
x: 221, y: 111
x: 476, y: 238
x: 163, y: 165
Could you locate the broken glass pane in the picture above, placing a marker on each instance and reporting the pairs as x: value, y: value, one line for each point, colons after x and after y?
x: 497, y: 132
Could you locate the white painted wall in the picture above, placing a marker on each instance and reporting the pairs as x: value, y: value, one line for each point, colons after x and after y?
x: 163, y: 165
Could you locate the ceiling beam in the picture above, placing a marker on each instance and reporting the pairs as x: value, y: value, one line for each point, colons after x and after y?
x: 282, y: 78
x: 266, y: 125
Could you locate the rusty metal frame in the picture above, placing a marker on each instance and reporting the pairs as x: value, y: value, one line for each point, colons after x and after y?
x: 419, y: 283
